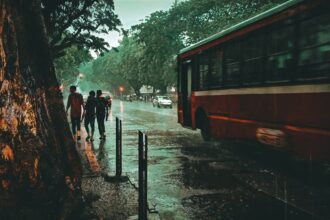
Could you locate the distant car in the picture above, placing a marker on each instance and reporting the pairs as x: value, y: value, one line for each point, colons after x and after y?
x: 162, y: 101
x: 129, y: 98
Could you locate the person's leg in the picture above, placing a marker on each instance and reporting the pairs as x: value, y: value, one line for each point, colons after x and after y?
x: 99, y: 123
x: 78, y: 127
x: 107, y: 113
x: 87, y: 121
x: 73, y: 126
x: 103, y: 128
x: 92, y: 122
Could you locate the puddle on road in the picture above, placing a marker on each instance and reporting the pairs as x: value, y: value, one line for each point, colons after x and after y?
x: 240, y: 204
x: 199, y: 174
x: 190, y: 178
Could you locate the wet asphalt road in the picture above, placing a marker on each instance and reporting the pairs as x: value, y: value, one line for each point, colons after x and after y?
x: 192, y: 179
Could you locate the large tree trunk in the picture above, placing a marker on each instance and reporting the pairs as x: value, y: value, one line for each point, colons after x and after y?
x: 37, y: 150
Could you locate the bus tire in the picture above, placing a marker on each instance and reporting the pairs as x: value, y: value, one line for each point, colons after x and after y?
x: 205, y: 129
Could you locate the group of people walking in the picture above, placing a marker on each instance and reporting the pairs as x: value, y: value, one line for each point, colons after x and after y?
x: 95, y: 107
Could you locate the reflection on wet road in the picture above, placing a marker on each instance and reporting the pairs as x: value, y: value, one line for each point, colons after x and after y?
x: 192, y: 179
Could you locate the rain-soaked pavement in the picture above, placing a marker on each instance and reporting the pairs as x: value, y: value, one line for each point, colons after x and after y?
x: 192, y: 179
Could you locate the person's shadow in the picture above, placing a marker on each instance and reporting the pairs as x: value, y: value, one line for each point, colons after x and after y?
x: 102, y: 157
x: 101, y: 151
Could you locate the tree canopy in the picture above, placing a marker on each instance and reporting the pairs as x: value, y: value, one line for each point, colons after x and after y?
x: 119, y: 67
x: 67, y: 66
x: 147, y: 54
x: 78, y: 22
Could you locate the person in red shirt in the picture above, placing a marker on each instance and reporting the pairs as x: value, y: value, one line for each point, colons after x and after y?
x: 76, y: 102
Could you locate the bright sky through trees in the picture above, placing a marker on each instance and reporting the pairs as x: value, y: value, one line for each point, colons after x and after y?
x: 130, y: 13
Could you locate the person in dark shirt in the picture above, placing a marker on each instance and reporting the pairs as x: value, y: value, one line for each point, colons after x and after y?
x: 75, y: 102
x: 89, y: 114
x: 107, y: 107
x: 100, y: 113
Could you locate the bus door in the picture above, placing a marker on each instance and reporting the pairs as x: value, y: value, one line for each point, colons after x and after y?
x: 186, y: 93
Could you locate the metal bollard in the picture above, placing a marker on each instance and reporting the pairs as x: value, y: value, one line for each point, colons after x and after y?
x: 143, y: 162
x: 118, y: 147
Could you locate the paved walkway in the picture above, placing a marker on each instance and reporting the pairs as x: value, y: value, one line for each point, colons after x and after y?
x: 105, y: 198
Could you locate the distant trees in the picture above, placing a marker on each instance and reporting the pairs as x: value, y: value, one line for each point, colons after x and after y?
x: 106, y: 71
x: 131, y: 65
x: 66, y: 66
x: 147, y: 54
x: 159, y: 37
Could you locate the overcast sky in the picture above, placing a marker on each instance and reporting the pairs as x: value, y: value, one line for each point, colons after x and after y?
x: 131, y: 12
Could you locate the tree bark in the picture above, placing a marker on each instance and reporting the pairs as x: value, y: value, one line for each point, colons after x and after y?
x: 37, y: 150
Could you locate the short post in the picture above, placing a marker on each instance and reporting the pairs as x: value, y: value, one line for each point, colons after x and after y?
x: 143, y: 162
x: 118, y: 147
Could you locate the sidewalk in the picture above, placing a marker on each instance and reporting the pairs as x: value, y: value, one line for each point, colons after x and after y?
x: 105, y: 197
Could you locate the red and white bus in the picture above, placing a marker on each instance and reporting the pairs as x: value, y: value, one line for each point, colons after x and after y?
x: 264, y: 80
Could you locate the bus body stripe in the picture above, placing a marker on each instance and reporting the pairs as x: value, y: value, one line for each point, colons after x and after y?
x: 324, y: 88
x: 286, y: 126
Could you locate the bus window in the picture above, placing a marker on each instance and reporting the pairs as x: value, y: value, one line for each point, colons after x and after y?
x: 216, y: 72
x: 203, y: 68
x: 314, y: 45
x: 279, y: 52
x: 252, y: 67
x: 232, y: 61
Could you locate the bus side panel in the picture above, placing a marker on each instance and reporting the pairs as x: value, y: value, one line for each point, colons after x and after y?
x: 305, y: 142
x: 304, y: 110
x: 302, y: 118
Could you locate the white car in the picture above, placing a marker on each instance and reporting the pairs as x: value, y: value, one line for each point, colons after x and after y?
x: 162, y: 101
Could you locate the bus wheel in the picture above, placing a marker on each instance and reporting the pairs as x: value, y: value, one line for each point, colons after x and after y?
x: 205, y: 129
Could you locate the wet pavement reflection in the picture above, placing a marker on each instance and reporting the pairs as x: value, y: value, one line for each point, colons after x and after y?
x: 193, y: 179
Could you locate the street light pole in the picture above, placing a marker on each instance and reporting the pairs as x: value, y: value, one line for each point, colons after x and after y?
x: 121, y: 89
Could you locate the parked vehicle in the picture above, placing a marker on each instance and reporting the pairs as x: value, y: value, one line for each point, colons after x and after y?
x: 162, y: 101
x: 129, y: 98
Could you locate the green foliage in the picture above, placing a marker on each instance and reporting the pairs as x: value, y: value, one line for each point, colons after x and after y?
x: 199, y: 19
x: 147, y: 54
x: 67, y: 66
x: 76, y: 22
x: 163, y: 34
x: 107, y: 72
x: 131, y: 62
x: 159, y: 36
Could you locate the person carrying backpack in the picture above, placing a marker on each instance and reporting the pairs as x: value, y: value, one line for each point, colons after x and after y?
x: 100, y: 113
x: 75, y: 102
x: 89, y: 114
